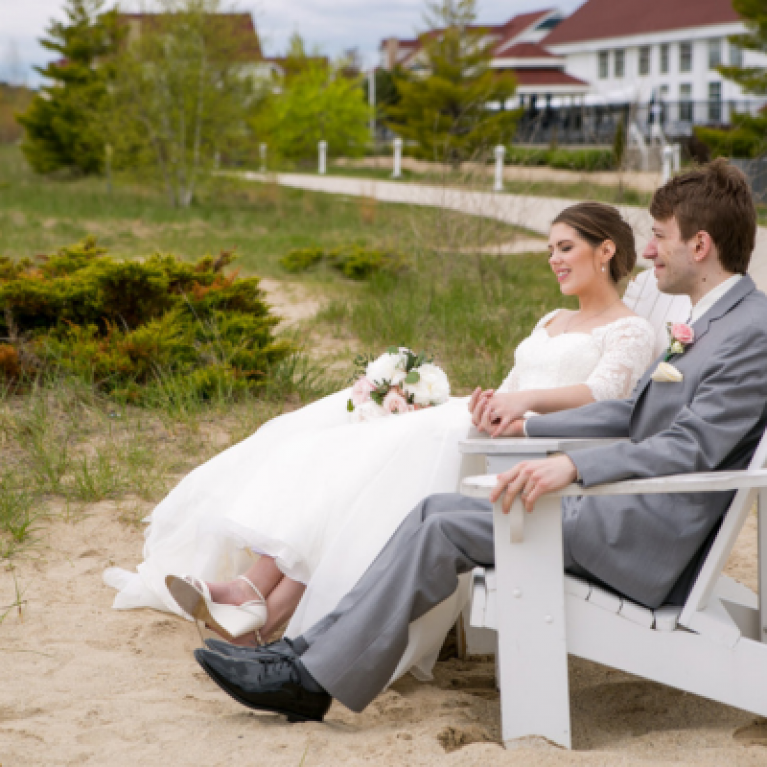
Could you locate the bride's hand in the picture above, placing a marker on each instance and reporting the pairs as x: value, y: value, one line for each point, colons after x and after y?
x: 503, y: 410
x: 478, y: 405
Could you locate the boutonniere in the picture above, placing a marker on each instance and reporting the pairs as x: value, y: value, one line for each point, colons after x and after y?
x: 680, y: 337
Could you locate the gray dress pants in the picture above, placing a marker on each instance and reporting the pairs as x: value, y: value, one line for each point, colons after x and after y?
x: 353, y: 651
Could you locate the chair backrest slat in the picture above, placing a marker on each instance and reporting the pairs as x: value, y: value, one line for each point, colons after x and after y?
x: 734, y: 519
x: 643, y: 297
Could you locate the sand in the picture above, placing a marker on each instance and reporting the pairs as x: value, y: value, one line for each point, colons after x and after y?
x: 82, y: 684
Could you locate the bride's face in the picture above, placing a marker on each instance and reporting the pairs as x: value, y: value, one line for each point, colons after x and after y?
x: 576, y: 264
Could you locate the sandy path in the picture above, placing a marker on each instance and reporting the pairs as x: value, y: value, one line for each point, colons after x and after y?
x: 82, y: 684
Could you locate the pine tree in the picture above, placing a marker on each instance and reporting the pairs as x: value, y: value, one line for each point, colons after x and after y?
x: 453, y: 109
x: 747, y: 136
x: 754, y: 15
x: 63, y: 124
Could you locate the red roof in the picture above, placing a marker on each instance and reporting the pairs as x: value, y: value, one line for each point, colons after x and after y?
x: 544, y: 77
x: 528, y: 51
x: 518, y: 24
x: 598, y: 19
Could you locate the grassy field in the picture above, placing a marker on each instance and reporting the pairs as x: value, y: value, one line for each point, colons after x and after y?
x: 64, y: 445
x: 262, y: 221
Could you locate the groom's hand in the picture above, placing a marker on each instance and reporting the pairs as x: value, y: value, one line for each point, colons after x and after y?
x: 514, y: 429
x: 532, y: 479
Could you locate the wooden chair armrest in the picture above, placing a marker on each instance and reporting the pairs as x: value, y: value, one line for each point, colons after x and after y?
x: 715, y: 481
x: 484, y: 445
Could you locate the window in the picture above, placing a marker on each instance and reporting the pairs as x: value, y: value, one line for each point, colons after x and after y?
x: 619, y: 69
x: 685, y: 102
x: 644, y: 60
x: 715, y: 102
x: 685, y: 57
x: 604, y: 64
x: 736, y: 55
x: 714, y: 53
x: 664, y: 92
x: 664, y: 59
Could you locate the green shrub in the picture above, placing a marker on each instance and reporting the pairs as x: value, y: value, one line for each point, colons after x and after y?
x: 569, y: 159
x: 521, y: 155
x: 582, y: 159
x: 354, y: 261
x: 746, y: 139
x: 127, y: 326
x: 302, y: 259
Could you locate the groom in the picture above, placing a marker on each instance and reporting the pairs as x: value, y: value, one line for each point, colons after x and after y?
x: 648, y: 548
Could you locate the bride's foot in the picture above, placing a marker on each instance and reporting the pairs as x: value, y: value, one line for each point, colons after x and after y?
x: 234, y: 592
x: 230, y: 620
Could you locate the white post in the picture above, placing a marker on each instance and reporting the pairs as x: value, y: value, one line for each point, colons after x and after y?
x: 668, y: 158
x: 397, y: 158
x: 677, y: 157
x: 323, y: 149
x: 372, y: 102
x: 500, y: 153
x: 262, y: 152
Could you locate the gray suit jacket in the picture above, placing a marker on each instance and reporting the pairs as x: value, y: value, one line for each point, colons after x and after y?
x: 648, y: 547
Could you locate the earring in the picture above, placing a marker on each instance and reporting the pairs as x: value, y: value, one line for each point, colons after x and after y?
x: 603, y: 268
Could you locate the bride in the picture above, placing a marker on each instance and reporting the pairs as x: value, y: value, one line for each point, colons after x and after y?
x: 311, y: 498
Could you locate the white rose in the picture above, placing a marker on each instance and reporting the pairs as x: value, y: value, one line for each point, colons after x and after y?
x: 369, y: 411
x: 398, y: 377
x: 384, y: 368
x: 433, y: 388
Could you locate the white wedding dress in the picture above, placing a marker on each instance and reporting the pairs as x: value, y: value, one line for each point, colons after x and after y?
x: 323, y: 496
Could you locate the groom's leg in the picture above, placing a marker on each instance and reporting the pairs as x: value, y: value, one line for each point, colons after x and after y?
x: 354, y: 650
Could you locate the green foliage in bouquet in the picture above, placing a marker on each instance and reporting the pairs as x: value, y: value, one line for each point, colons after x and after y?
x: 132, y: 328
x: 353, y: 261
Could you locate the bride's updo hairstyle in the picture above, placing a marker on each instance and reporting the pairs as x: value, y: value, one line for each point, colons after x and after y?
x: 595, y: 223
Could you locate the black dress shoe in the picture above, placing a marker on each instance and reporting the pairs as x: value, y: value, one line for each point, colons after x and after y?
x: 280, y: 685
x: 283, y: 648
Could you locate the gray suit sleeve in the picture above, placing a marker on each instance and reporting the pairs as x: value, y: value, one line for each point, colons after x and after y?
x: 609, y: 418
x: 728, y: 404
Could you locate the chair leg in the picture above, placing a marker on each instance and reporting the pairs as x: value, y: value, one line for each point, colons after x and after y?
x: 532, y: 642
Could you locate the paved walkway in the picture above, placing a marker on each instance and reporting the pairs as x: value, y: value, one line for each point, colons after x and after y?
x: 532, y: 213
x: 643, y: 181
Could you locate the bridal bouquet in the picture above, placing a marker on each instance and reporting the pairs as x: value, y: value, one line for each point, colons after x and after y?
x: 399, y: 381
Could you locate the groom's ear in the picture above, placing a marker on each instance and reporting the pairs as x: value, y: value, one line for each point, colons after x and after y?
x: 702, y: 245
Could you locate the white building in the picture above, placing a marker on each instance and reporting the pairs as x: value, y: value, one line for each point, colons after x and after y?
x: 657, y: 52
x: 517, y: 49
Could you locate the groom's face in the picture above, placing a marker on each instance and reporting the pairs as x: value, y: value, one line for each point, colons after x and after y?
x: 676, y: 269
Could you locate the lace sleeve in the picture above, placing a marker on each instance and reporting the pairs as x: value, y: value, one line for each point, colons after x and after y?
x: 627, y: 350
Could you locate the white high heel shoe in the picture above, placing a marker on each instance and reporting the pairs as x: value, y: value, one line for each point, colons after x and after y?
x: 231, y: 621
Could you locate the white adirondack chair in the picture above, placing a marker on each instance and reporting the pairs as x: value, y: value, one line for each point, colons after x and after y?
x: 642, y: 297
x: 713, y: 646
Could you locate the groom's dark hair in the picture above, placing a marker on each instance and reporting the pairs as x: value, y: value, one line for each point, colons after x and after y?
x: 714, y: 198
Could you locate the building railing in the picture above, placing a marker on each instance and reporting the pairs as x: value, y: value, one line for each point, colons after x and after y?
x: 597, y: 124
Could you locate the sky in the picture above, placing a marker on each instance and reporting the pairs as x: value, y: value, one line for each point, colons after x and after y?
x: 332, y: 25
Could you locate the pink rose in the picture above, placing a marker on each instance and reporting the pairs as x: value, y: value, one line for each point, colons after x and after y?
x: 394, y: 402
x: 682, y: 333
x: 361, y: 391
